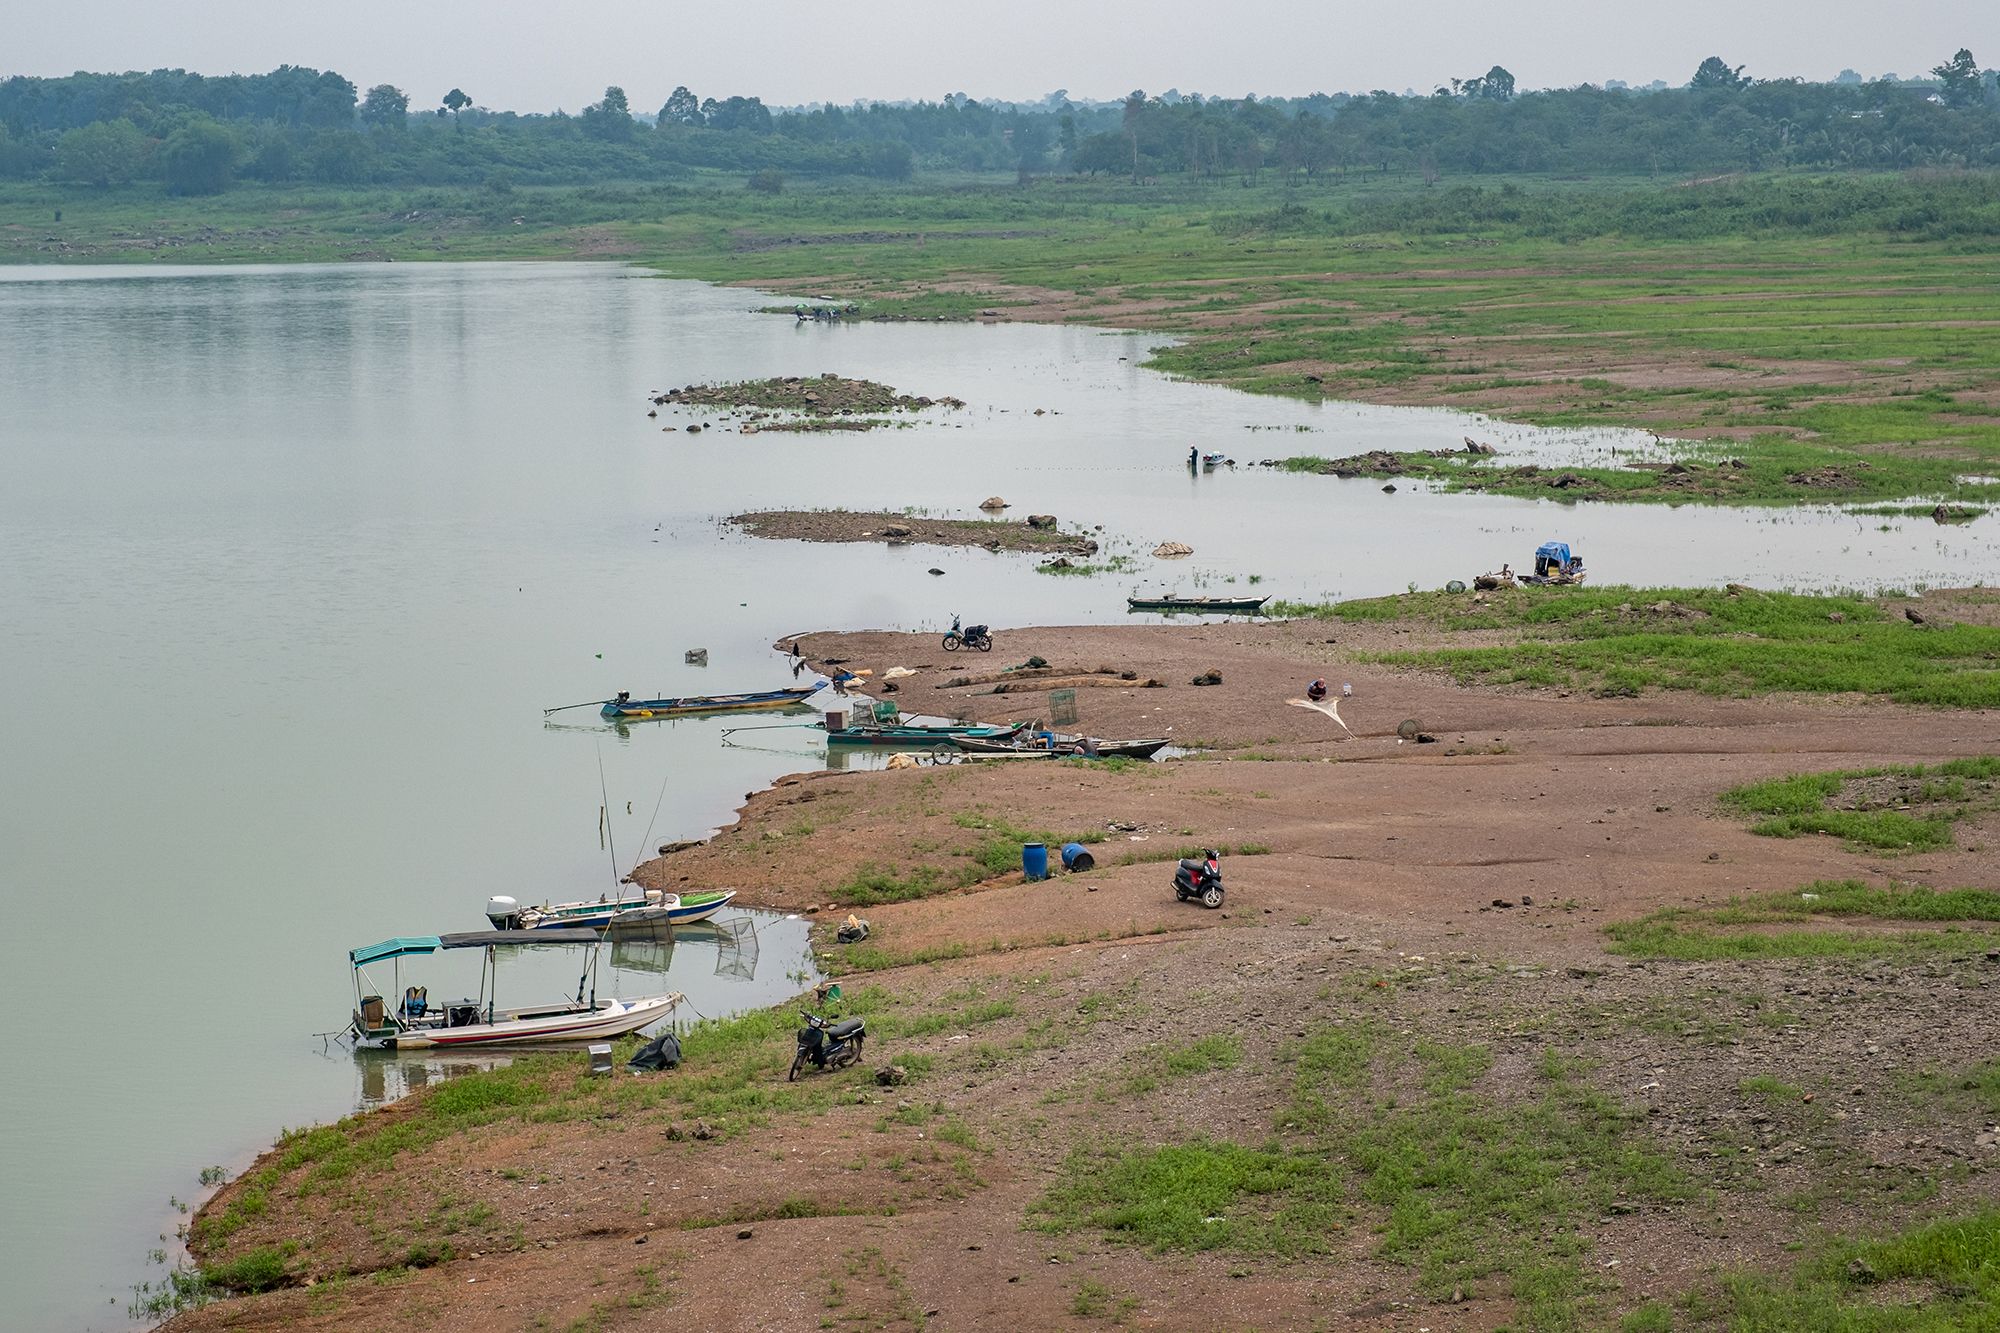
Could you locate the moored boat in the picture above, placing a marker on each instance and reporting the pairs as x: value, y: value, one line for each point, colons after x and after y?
x: 626, y: 708
x: 912, y: 734
x: 413, y: 1023
x: 652, y: 907
x: 1198, y: 605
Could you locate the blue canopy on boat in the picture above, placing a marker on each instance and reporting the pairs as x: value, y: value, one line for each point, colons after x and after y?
x: 395, y: 948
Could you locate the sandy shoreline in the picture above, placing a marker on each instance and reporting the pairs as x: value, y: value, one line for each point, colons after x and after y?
x: 1366, y: 889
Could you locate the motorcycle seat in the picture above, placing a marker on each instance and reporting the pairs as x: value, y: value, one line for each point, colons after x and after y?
x: 846, y: 1028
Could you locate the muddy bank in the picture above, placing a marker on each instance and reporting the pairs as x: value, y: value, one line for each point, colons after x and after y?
x: 802, y: 403
x: 1041, y: 533
x: 1408, y: 902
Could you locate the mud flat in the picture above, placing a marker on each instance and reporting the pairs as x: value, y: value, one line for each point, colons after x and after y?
x: 847, y: 525
x: 1525, y: 1027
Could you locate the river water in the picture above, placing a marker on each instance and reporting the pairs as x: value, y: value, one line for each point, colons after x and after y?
x: 292, y: 558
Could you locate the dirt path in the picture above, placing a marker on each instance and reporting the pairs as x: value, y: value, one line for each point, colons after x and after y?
x: 1448, y: 896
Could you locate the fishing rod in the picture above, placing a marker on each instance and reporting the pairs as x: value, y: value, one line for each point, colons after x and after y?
x: 587, y: 703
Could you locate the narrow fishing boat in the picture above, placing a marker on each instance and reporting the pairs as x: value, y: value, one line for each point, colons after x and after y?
x: 414, y: 1023
x: 1198, y: 605
x: 626, y: 708
x: 911, y: 734
x: 651, y: 907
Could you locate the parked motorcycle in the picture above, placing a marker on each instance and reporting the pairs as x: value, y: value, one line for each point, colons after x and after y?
x: 828, y: 1045
x: 1199, y: 878
x: 972, y: 636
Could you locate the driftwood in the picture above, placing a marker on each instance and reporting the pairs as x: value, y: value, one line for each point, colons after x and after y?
x: 1033, y: 673
x: 1077, y: 683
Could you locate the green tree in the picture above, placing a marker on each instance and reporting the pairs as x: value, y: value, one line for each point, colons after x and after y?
x: 109, y: 152
x: 1960, y: 77
x: 455, y: 101
x: 198, y: 157
x: 386, y: 107
x: 682, y: 108
x: 1712, y: 73
x: 611, y: 119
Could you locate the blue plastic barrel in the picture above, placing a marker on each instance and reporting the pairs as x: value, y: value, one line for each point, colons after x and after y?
x: 1035, y: 860
x: 1075, y: 856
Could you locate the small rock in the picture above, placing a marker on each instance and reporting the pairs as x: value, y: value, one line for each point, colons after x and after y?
x: 891, y: 1075
x: 1503, y: 902
x: 1390, y: 489
x: 745, y: 1234
x: 937, y: 571
x: 1526, y: 901
x: 702, y: 1131
x: 1860, y: 1270
x: 638, y: 1240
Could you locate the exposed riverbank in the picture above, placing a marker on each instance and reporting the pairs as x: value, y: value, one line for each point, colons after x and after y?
x: 846, y: 525
x: 1117, y: 1106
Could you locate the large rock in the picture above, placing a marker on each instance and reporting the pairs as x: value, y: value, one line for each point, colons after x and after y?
x: 1046, y: 522
x: 993, y: 502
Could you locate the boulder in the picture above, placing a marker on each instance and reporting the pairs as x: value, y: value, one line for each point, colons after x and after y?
x: 1042, y: 522
x: 993, y: 502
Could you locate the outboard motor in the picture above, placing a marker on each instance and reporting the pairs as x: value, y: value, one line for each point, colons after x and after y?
x: 503, y: 912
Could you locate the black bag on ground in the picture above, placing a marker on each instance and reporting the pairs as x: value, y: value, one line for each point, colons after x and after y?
x: 662, y: 1052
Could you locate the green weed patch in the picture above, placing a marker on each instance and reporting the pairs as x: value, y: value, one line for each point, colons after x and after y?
x: 1906, y: 807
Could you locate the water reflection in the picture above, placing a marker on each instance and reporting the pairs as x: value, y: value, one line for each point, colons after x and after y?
x: 716, y: 964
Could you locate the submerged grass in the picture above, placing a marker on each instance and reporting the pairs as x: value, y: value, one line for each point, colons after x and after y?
x: 1620, y: 640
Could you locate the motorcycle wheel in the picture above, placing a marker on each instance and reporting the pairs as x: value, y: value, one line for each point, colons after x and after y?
x: 951, y: 642
x: 798, y: 1063
x: 844, y: 1059
x: 1212, y: 896
x: 986, y: 644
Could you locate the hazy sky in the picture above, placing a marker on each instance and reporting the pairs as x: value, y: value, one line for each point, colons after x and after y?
x: 536, y: 55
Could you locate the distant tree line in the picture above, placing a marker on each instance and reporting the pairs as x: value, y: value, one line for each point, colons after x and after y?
x: 197, y: 134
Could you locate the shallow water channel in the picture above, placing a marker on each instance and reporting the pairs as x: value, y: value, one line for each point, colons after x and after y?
x: 292, y: 558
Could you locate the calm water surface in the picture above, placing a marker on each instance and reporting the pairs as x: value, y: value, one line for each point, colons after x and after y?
x: 292, y: 558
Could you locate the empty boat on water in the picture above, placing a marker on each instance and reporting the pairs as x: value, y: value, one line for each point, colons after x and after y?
x: 413, y: 1022
x: 916, y: 735
x: 625, y: 708
x: 1213, y: 606
x: 650, y: 907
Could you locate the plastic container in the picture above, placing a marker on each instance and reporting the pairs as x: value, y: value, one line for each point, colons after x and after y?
x: 1035, y: 861
x: 1077, y: 857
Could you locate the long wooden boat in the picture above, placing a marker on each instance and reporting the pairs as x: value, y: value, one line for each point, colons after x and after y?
x: 911, y: 734
x: 1062, y: 746
x: 653, y: 907
x: 1198, y: 605
x: 752, y: 702
x: 413, y: 1023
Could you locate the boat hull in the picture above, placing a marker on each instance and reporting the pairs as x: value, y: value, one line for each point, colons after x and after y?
x: 918, y: 736
x: 613, y: 1018
x: 1213, y: 606
x: 611, y: 915
x: 634, y: 710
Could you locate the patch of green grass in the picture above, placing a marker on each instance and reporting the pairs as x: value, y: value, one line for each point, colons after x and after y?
x: 1457, y: 1183
x: 1702, y: 935
x: 1881, y: 800
x: 1942, y: 1276
x: 1620, y: 641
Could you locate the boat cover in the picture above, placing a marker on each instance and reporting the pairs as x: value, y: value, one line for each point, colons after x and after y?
x: 470, y: 939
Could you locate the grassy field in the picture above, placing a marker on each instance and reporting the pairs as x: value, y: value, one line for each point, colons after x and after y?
x: 1836, y: 336
x: 1620, y: 641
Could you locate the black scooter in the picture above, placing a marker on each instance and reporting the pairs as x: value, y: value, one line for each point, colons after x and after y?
x: 1199, y: 878
x: 828, y: 1045
x: 972, y: 636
